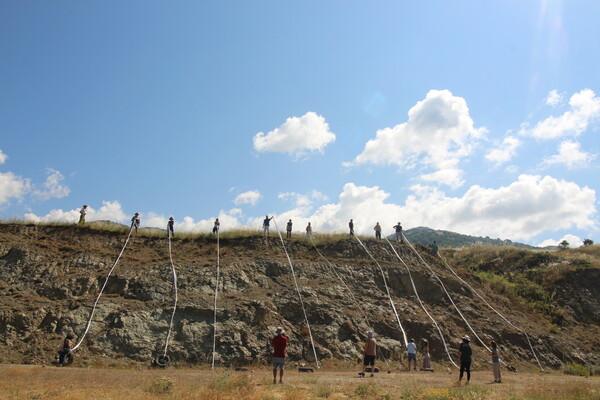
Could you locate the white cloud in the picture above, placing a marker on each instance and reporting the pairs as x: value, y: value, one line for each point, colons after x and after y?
x: 53, y: 186
x: 250, y: 197
x: 12, y: 187
x: 229, y: 221
x: 506, y: 151
x: 574, y: 241
x: 3, y: 157
x: 554, y: 98
x: 303, y: 200
x: 110, y: 211
x: 296, y: 136
x: 584, y: 110
x: 449, y: 176
x: 569, y: 154
x: 438, y: 133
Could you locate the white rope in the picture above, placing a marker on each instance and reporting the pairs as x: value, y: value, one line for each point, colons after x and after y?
x: 421, y: 303
x: 215, y: 303
x: 345, y: 285
x: 175, y: 290
x: 493, y: 309
x: 89, y: 323
x: 386, y: 289
x: 299, y: 294
x: 449, y: 297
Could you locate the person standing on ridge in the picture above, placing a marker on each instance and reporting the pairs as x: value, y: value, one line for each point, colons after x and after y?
x: 288, y: 229
x: 64, y: 352
x: 279, y: 343
x: 170, y: 225
x: 135, y: 222
x: 82, y: 213
x: 464, y: 357
x: 398, y: 229
x: 216, y: 226
x: 369, y: 354
x: 308, y: 231
x: 434, y: 248
x: 266, y: 223
x: 377, y: 229
x: 351, y: 226
x: 495, y: 354
x: 411, y: 349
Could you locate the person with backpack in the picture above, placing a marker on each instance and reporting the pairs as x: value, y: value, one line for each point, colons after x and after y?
x: 65, y: 355
x: 464, y: 358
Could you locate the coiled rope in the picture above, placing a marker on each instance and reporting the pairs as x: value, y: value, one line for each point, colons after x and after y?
x: 215, y: 303
x: 386, y: 289
x: 299, y: 294
x: 89, y: 323
x: 175, y: 292
x: 364, y: 314
x: 493, y: 309
x: 421, y: 302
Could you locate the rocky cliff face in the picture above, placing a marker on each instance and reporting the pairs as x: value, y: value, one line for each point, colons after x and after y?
x: 50, y: 277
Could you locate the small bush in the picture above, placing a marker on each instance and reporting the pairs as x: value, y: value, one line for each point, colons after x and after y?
x: 365, y: 390
x: 161, y: 385
x: 576, y: 369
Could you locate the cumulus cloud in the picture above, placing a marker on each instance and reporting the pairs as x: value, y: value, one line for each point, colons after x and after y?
x: 109, y: 211
x: 230, y: 220
x: 250, y: 197
x: 438, y: 133
x: 569, y: 154
x: 574, y: 241
x: 554, y: 98
x: 12, y: 187
x: 53, y: 187
x: 584, y: 110
x: 448, y: 176
x: 296, y: 136
x: 505, y: 152
x: 3, y: 157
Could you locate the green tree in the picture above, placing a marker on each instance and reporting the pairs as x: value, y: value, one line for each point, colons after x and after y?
x: 563, y: 245
x: 588, y: 242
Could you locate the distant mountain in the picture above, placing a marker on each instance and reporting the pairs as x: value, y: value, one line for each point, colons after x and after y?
x: 426, y: 236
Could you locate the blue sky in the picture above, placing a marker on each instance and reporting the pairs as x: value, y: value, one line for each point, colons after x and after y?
x: 476, y: 117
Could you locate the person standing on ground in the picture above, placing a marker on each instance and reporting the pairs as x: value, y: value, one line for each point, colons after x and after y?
x: 434, y: 248
x: 216, y: 226
x: 369, y: 354
x: 495, y: 354
x: 426, y: 356
x: 82, y: 213
x: 411, y: 349
x: 351, y: 226
x: 266, y: 223
x: 308, y: 231
x: 398, y: 229
x: 170, y: 225
x: 377, y: 229
x: 65, y: 353
x: 464, y: 358
x: 135, y: 222
x: 288, y: 229
x: 279, y: 343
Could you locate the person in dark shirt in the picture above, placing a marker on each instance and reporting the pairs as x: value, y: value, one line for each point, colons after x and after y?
x: 398, y: 230
x: 266, y: 223
x: 288, y: 229
x: 216, y: 226
x: 279, y: 343
x: 135, y: 222
x: 65, y: 356
x: 351, y: 227
x: 170, y: 225
x: 464, y: 357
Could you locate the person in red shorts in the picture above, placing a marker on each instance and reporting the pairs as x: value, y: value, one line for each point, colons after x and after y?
x: 280, y: 343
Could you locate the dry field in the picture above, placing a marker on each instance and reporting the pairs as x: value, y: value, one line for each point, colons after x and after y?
x: 38, y: 382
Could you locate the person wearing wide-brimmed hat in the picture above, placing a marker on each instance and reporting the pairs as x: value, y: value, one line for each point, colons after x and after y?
x: 279, y: 343
x: 464, y: 357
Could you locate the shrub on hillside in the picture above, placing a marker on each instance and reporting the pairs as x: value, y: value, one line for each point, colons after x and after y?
x: 577, y: 369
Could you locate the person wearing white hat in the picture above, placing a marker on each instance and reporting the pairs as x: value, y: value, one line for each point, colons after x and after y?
x: 279, y: 343
x: 464, y: 357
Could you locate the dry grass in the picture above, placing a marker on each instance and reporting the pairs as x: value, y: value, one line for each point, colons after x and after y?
x: 35, y: 382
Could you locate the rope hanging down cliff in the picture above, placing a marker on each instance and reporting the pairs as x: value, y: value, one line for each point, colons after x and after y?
x: 421, y: 302
x: 386, y: 289
x: 165, y: 359
x: 87, y: 328
x: 493, y: 309
x: 215, y: 302
x: 299, y: 294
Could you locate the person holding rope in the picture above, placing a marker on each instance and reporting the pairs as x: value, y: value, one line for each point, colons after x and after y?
x: 411, y: 349
x: 82, y: 213
x: 464, y: 358
x: 170, y: 225
x: 369, y: 354
x: 426, y: 356
x: 135, y: 222
x: 398, y: 229
x: 266, y: 223
x: 216, y: 226
x: 351, y: 227
x: 308, y: 231
x: 288, y: 229
x: 377, y: 229
x: 495, y: 354
x: 65, y: 356
x: 279, y: 343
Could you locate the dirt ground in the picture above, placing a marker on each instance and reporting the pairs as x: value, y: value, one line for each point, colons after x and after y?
x: 51, y: 382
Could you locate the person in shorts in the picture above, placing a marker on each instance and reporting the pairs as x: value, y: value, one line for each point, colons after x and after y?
x: 82, y: 214
x: 266, y: 223
x: 369, y: 354
x: 411, y: 349
x: 279, y: 343
x: 216, y: 226
x: 170, y: 225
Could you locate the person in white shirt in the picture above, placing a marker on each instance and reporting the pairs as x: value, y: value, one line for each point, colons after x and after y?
x: 411, y: 349
x: 82, y: 213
